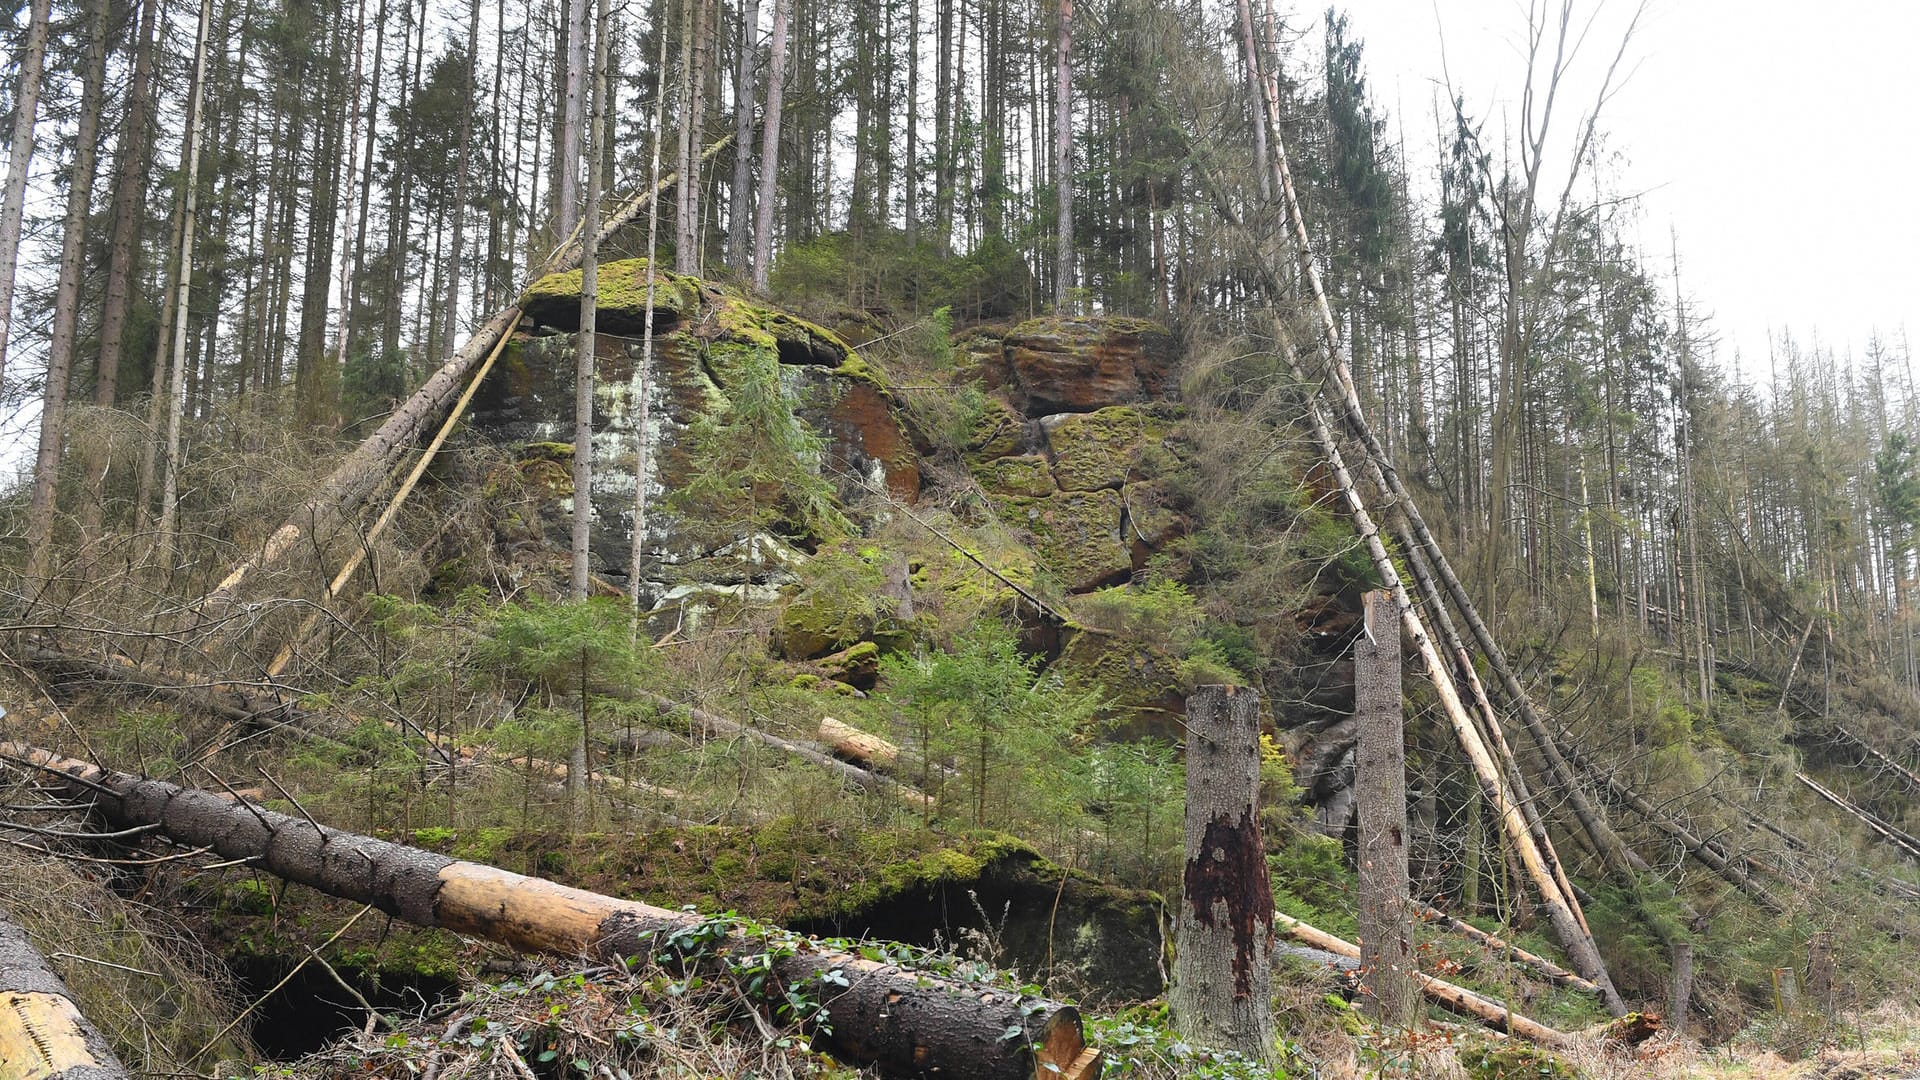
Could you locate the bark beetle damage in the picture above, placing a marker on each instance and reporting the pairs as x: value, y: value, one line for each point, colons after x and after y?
x: 1231, y: 870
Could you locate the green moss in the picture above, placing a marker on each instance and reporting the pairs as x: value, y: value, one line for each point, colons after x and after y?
x: 996, y: 432
x: 622, y: 288
x: 1076, y: 535
x: 1099, y: 449
x: 1513, y: 1060
x: 1025, y: 475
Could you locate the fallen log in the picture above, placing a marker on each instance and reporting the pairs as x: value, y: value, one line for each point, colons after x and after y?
x: 1908, y: 844
x: 43, y: 1035
x: 717, y: 725
x: 860, y: 746
x: 1540, y: 965
x: 1457, y: 998
x: 901, y: 1021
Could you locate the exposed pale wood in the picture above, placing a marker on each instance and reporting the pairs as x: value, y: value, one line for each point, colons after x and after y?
x: 903, y: 1022
x: 1540, y: 965
x: 849, y: 741
x: 43, y: 1035
x: 1457, y: 998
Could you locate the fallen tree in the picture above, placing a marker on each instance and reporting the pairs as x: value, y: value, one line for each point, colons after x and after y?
x: 43, y: 1035
x: 1540, y: 965
x: 1457, y: 998
x: 902, y: 1021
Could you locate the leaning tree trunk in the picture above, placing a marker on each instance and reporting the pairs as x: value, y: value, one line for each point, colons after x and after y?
x: 361, y: 473
x: 43, y: 1036
x: 1222, y: 993
x: 1380, y: 786
x: 903, y: 1022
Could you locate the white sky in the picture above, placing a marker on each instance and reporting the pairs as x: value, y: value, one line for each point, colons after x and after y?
x: 1779, y: 141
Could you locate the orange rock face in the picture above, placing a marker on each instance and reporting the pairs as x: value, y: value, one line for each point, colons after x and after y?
x: 1058, y: 365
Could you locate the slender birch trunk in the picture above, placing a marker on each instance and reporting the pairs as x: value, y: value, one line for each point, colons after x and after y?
x: 643, y: 376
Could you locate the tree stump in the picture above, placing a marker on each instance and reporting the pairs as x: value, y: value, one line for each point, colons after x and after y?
x: 1222, y: 994
x: 1380, y: 786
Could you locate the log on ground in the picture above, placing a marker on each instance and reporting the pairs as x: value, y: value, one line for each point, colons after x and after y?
x: 902, y: 1021
x: 43, y: 1035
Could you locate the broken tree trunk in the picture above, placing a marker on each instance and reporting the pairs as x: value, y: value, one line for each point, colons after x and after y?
x: 1539, y: 965
x: 43, y: 1035
x: 860, y: 746
x: 1222, y: 993
x: 1907, y: 843
x: 370, y: 463
x: 903, y: 1022
x: 1380, y: 789
x: 1457, y: 998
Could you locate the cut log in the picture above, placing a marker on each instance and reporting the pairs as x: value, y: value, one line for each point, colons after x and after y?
x: 43, y: 1035
x: 1456, y: 998
x: 1539, y: 965
x: 850, y: 742
x: 901, y: 1021
x: 370, y: 463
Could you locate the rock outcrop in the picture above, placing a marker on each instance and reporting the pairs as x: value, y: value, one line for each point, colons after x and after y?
x: 777, y: 420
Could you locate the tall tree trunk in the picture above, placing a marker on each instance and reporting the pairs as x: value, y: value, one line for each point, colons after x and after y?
x: 770, y: 146
x: 177, y: 387
x: 643, y: 376
x: 585, y: 340
x: 943, y: 123
x: 1223, y: 925
x: 462, y: 169
x: 1380, y: 789
x: 66, y: 300
x: 741, y: 193
x: 131, y: 163
x: 1063, y: 279
x: 26, y: 112
x: 566, y: 165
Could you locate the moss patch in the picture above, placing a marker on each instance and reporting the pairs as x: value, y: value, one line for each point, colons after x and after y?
x: 1099, y: 449
x: 554, y: 300
x: 1024, y: 475
x: 1076, y: 535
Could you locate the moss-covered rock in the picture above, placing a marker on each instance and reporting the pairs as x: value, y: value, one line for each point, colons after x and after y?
x: 1059, y: 364
x: 1513, y: 1060
x: 997, y: 432
x: 1076, y: 535
x: 1099, y: 449
x: 1026, y: 475
x: 554, y: 300
x: 1140, y: 682
x: 857, y: 665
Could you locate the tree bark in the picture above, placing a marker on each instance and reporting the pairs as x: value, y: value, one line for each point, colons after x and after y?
x: 1680, y: 989
x: 741, y: 192
x: 585, y: 341
x: 183, y: 286
x: 26, y: 111
x: 66, y: 303
x: 128, y: 214
x: 43, y: 1035
x: 770, y: 146
x: 1222, y: 993
x: 1063, y: 157
x: 1380, y: 788
x: 566, y: 162
x: 902, y: 1022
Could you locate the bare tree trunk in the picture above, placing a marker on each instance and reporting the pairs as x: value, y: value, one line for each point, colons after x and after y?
x: 1063, y: 156
x: 177, y: 387
x: 770, y: 146
x: 1380, y: 788
x: 461, y: 170
x: 66, y: 301
x: 566, y: 165
x: 1222, y: 976
x: 26, y: 111
x: 43, y: 1035
x: 904, y: 1023
x: 130, y: 172
x: 643, y: 377
x: 585, y: 340
x: 741, y: 193
x: 1820, y: 972
x: 690, y: 11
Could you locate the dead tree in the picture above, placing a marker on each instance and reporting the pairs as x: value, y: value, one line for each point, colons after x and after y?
x: 1222, y: 962
x: 903, y: 1022
x: 1380, y: 788
x: 43, y: 1035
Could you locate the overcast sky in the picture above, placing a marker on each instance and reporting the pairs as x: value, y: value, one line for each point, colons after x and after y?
x: 1779, y: 141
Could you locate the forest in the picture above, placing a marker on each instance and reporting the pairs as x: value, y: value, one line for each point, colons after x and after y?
x: 896, y: 538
